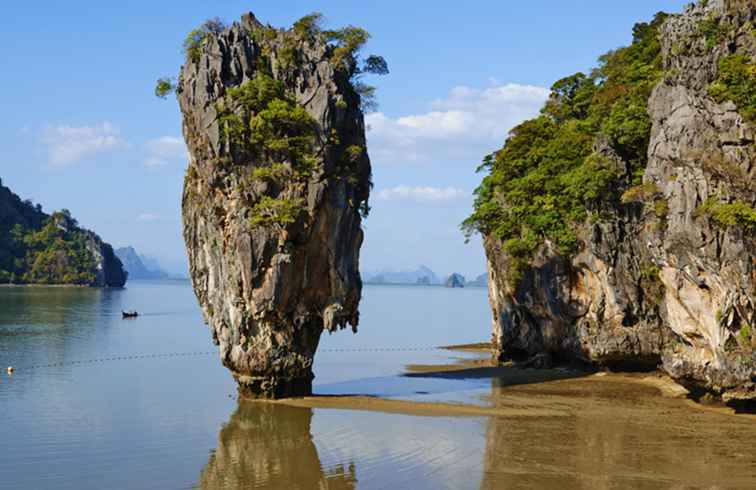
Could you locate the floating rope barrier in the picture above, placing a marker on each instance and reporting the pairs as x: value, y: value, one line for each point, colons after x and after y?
x: 208, y: 353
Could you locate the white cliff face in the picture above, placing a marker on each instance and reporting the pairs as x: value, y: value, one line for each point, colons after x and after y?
x: 673, y: 287
x: 702, y: 150
x: 268, y: 291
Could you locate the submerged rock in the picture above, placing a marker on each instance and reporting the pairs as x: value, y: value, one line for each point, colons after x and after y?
x: 277, y: 184
x: 667, y: 275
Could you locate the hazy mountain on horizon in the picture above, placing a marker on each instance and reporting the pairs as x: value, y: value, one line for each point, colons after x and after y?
x: 480, y: 281
x: 407, y: 276
x: 140, y: 266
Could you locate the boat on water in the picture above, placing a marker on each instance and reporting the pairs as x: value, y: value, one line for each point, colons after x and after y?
x: 129, y: 314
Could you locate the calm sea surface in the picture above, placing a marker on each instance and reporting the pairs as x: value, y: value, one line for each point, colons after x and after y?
x: 156, y: 422
x: 141, y: 404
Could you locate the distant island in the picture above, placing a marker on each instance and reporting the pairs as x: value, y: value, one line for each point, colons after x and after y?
x: 140, y: 266
x: 422, y: 276
x: 455, y: 281
x: 479, y: 282
x: 37, y: 248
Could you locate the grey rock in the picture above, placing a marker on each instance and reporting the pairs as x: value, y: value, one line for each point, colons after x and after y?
x: 600, y: 306
x: 268, y: 293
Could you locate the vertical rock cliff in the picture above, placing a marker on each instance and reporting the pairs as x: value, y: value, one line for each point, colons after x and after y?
x: 657, y: 262
x: 277, y: 184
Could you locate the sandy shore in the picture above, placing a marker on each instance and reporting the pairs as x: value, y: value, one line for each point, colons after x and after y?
x: 555, y: 392
x: 427, y: 409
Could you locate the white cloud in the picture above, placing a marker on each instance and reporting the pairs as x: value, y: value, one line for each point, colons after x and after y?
x: 148, y: 217
x: 421, y: 193
x: 68, y: 145
x: 464, y: 126
x: 162, y: 150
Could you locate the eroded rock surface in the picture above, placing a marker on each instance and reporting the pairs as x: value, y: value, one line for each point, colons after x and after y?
x: 277, y: 179
x: 660, y: 282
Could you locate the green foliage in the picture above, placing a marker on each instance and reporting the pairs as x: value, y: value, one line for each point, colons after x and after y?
x: 737, y: 214
x: 354, y: 152
x: 276, y: 211
x: 347, y: 42
x: 650, y: 273
x: 309, y: 26
x: 641, y: 193
x: 376, y: 65
x: 650, y: 276
x: 546, y: 178
x: 661, y: 208
x: 713, y: 31
x: 261, y: 119
x: 345, y: 46
x: 193, y: 42
x: 744, y: 336
x: 40, y: 249
x: 736, y: 81
x: 276, y: 173
x: 164, y: 87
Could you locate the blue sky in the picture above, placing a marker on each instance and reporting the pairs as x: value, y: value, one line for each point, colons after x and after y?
x: 83, y: 130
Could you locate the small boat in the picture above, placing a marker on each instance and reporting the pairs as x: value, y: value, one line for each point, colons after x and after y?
x: 129, y: 314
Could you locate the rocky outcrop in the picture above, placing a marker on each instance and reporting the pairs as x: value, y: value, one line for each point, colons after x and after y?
x: 659, y: 280
x: 108, y: 269
x: 37, y: 248
x: 277, y: 181
x: 455, y: 281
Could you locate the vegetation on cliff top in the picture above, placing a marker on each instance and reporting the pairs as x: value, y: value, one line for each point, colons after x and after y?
x: 736, y: 214
x: 736, y: 81
x: 548, y: 177
x: 39, y: 249
x: 262, y: 123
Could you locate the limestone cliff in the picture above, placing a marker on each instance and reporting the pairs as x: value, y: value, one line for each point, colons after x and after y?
x: 666, y: 273
x: 277, y: 184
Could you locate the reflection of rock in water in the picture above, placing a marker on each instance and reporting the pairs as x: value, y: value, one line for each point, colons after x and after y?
x: 614, y: 434
x: 270, y: 446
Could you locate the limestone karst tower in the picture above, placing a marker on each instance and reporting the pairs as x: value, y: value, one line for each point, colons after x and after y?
x: 275, y: 192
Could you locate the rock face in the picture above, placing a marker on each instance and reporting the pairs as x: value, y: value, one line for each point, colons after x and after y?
x: 109, y: 271
x: 675, y: 287
x: 277, y: 179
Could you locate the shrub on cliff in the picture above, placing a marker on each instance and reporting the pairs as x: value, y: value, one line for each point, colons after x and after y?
x: 193, y: 41
x: 737, y: 214
x: 736, y: 81
x: 546, y: 178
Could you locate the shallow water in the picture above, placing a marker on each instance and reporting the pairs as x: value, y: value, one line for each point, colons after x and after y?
x: 174, y: 421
